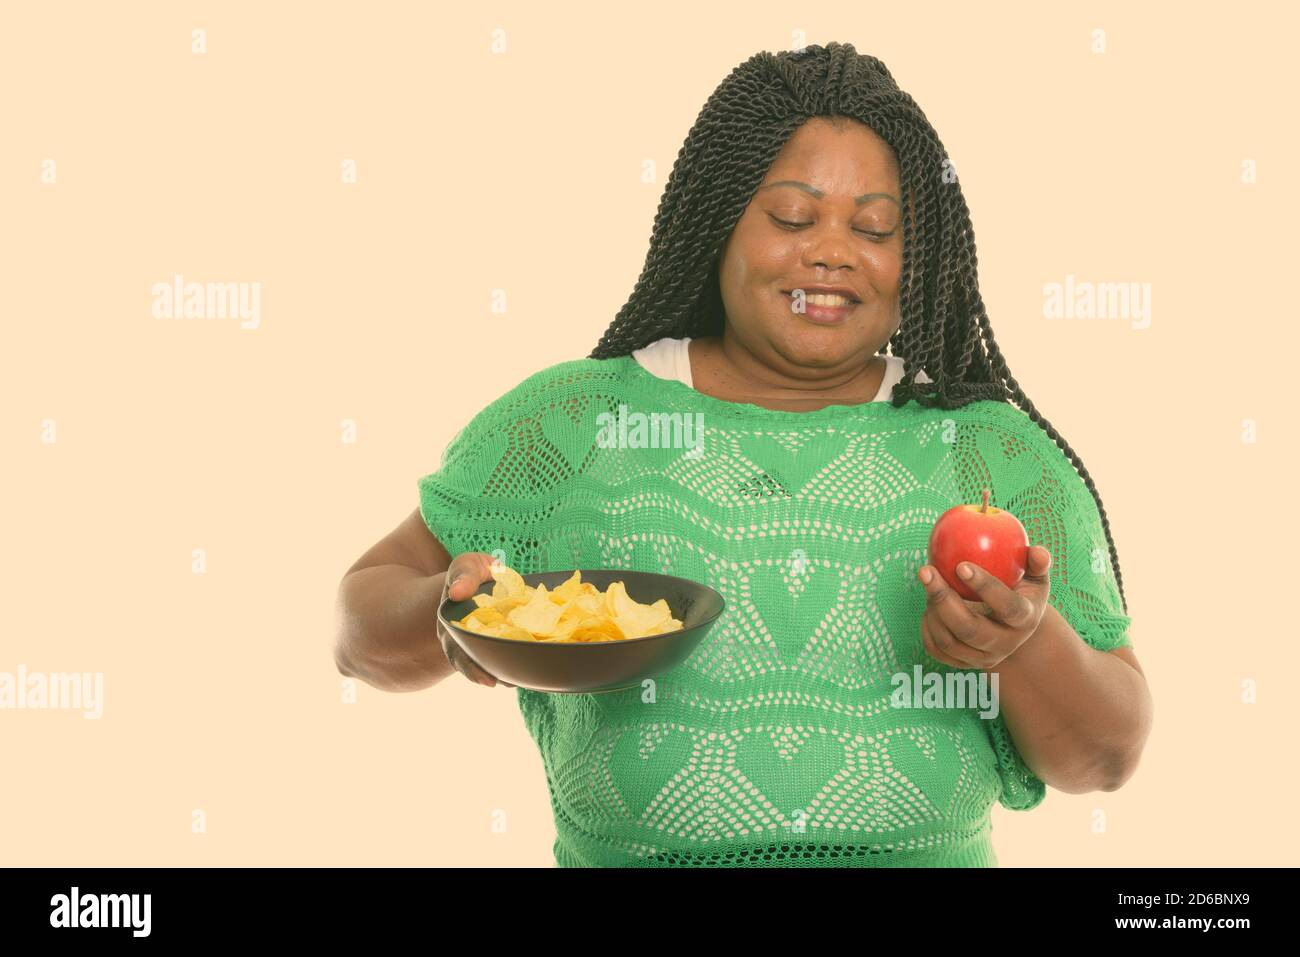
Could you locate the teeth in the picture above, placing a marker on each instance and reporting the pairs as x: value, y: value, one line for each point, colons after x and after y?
x: 820, y: 299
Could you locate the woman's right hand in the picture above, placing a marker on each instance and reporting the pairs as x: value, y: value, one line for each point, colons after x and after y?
x: 466, y: 573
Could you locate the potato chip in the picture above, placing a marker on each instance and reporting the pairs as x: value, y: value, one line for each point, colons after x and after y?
x: 509, y: 581
x: 634, y: 619
x: 602, y: 629
x: 540, y: 616
x: 573, y: 611
x: 507, y: 630
x: 485, y: 616
x: 570, y: 590
x: 572, y: 617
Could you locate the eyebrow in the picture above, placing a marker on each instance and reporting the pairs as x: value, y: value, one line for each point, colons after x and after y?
x: 858, y: 201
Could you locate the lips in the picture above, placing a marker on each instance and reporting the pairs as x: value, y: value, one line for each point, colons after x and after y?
x: 825, y: 291
x: 823, y: 314
x: 813, y: 305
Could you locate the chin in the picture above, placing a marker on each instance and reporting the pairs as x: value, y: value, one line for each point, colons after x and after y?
x: 819, y: 345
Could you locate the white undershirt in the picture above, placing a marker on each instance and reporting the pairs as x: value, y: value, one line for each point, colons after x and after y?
x: 669, y: 359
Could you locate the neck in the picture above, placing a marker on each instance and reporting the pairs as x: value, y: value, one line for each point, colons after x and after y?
x: 736, y: 367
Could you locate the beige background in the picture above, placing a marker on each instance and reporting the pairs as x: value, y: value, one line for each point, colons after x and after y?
x: 522, y: 171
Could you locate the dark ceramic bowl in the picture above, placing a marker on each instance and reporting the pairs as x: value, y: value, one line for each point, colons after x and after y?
x: 585, y: 667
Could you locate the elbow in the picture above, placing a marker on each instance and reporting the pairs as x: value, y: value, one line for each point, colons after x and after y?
x: 378, y: 675
x: 1108, y: 771
x: 354, y: 658
x: 350, y: 666
x: 1105, y: 778
x: 349, y: 657
x: 342, y: 662
x: 1122, y: 762
x: 343, y: 659
x: 1105, y: 765
x: 1119, y: 769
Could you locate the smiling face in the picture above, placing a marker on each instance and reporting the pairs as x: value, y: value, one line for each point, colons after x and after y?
x: 842, y: 227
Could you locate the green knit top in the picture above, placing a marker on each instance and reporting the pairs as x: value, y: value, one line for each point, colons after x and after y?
x: 777, y: 743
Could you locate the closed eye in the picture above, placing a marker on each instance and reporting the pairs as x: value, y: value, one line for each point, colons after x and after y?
x: 866, y: 232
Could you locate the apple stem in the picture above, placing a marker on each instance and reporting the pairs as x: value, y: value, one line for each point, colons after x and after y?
x: 984, y: 507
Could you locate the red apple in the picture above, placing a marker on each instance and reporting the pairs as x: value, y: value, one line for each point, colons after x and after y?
x: 989, y: 537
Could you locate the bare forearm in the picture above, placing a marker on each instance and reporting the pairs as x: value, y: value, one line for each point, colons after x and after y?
x: 387, y: 628
x: 1079, y: 716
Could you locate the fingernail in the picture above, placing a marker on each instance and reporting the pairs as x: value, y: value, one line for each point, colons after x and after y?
x: 925, y: 575
x: 964, y: 570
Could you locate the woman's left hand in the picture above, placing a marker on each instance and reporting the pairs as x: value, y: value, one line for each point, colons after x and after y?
x: 981, y: 634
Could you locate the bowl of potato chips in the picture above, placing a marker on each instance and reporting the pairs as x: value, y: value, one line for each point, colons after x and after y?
x: 582, y: 631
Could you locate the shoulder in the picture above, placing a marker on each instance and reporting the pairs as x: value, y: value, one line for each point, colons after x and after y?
x: 513, y: 421
x: 542, y: 388
x: 1027, y: 454
x: 1017, y: 423
x: 535, y: 397
x: 1009, y: 430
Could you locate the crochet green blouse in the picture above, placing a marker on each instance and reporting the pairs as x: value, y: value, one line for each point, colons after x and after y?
x: 777, y: 743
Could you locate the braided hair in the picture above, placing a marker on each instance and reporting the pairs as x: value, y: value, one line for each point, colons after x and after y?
x: 944, y: 328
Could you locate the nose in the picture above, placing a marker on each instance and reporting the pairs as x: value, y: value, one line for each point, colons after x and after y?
x: 828, y: 247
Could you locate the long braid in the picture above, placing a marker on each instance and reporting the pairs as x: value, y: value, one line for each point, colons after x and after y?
x: 944, y: 328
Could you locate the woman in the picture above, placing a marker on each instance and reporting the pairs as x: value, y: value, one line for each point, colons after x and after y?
x: 808, y: 223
